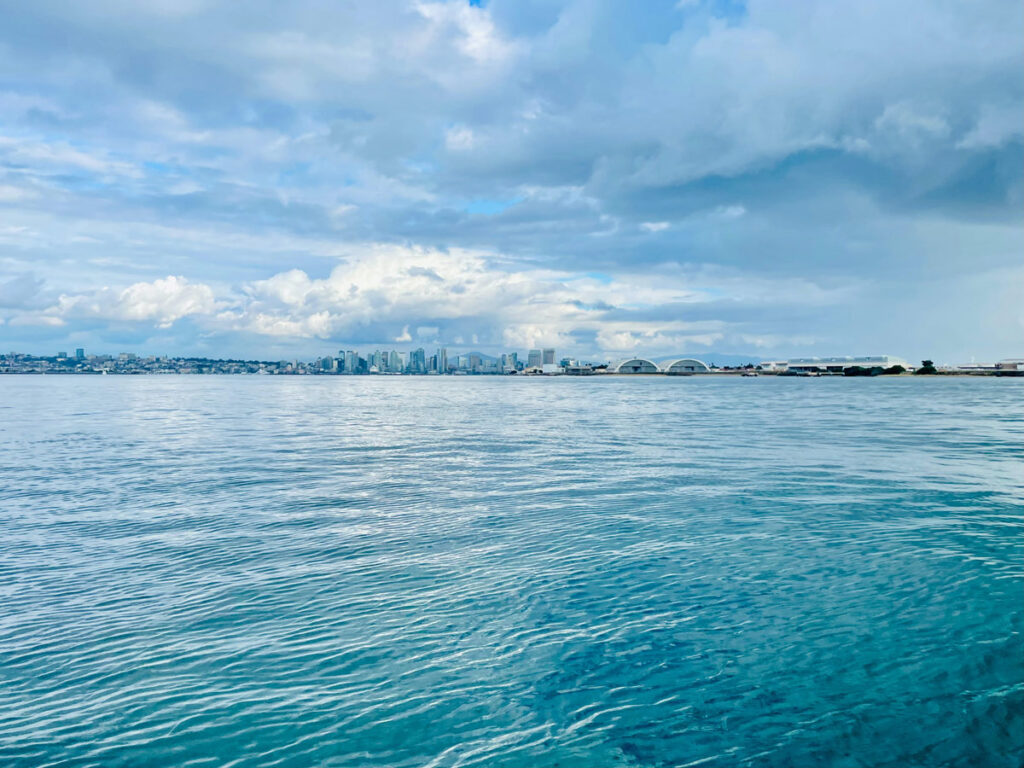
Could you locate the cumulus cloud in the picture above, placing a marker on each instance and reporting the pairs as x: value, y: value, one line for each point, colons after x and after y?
x: 160, y: 302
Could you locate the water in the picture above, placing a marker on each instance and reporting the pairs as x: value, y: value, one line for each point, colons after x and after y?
x: 263, y: 571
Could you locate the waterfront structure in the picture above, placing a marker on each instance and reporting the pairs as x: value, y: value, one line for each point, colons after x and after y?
x: 840, y: 364
x: 79, y: 354
x: 548, y: 357
x: 578, y: 369
x: 685, y: 366
x: 1008, y: 367
x: 534, y: 359
x: 634, y: 365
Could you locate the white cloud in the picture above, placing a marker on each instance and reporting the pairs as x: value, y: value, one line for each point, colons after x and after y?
x: 160, y: 302
x: 459, y: 139
x: 729, y: 212
x: 654, y: 226
x: 12, y: 194
x: 472, y: 29
x: 55, y: 157
x: 912, y: 123
x: 996, y: 125
x: 236, y: 158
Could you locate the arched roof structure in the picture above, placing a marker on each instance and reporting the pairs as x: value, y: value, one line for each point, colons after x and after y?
x: 634, y: 365
x: 685, y: 365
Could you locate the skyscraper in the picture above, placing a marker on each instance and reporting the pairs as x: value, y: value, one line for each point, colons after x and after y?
x: 534, y: 359
x: 549, y: 356
x: 442, y: 360
x: 418, y: 361
x: 79, y: 354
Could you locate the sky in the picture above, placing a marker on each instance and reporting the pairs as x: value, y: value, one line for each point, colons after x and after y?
x: 277, y: 180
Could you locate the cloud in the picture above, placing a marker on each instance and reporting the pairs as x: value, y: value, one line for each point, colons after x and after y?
x: 20, y: 291
x: 654, y: 226
x: 160, y: 302
x: 785, y: 161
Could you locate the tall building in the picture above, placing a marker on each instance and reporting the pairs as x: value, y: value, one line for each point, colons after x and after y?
x: 394, y: 362
x: 534, y: 359
x: 442, y: 360
x: 79, y: 354
x: 418, y: 361
x: 549, y: 356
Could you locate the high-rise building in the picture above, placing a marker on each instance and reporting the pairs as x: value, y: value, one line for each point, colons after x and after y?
x: 549, y: 356
x: 534, y: 359
x: 418, y: 361
x: 395, y: 362
x: 474, y: 363
x: 79, y: 354
x: 442, y: 360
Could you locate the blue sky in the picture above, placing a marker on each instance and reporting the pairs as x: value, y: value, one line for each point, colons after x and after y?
x: 283, y: 179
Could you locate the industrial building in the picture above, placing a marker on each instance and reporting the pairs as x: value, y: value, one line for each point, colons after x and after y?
x: 840, y: 364
x: 684, y: 366
x: 634, y: 365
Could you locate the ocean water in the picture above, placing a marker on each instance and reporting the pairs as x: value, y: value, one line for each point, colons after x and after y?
x: 398, y: 571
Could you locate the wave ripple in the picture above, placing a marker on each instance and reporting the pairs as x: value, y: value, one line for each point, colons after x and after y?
x: 207, y: 571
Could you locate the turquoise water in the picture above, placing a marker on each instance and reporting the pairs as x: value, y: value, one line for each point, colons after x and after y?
x: 257, y: 571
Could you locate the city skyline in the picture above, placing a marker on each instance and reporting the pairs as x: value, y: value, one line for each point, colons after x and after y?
x: 701, y: 177
x: 536, y: 361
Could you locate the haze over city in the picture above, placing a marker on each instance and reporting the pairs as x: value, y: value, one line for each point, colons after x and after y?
x: 271, y: 181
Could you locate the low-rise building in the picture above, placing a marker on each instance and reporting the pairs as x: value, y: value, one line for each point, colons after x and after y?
x: 840, y: 364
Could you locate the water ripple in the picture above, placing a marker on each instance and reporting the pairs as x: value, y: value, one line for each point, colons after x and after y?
x: 235, y: 571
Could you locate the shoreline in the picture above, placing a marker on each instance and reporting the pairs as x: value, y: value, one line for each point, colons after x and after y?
x: 738, y: 374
